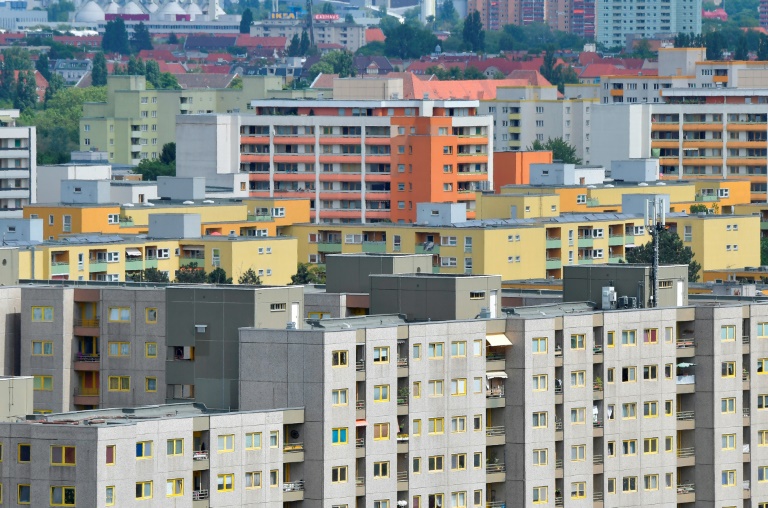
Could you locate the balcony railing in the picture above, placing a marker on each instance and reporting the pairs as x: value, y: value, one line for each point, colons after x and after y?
x: 686, y: 452
x: 494, y: 356
x: 402, y: 438
x: 91, y: 323
x: 296, y: 486
x: 686, y: 343
x: 82, y: 357
x: 360, y: 442
x: 686, y: 380
x: 495, y: 468
x: 87, y: 391
x: 360, y: 366
x: 597, y: 459
x: 360, y: 405
x: 495, y: 504
x: 200, y: 455
x: 402, y: 476
x: 598, y: 424
x: 495, y: 431
x: 293, y: 447
x: 745, y: 412
x: 199, y: 495
x: 745, y: 339
x: 558, y: 500
x: 597, y: 496
x: 360, y: 481
x: 558, y: 390
x: 686, y: 488
x: 686, y: 415
x: 559, y: 464
x: 402, y: 362
x: 558, y: 424
x: 598, y: 349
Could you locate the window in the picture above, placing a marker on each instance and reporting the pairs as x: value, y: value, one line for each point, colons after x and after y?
x: 459, y: 424
x: 381, y: 355
x: 62, y: 455
x: 143, y: 490
x: 762, y: 474
x: 274, y: 476
x: 380, y: 431
x: 42, y: 314
x: 274, y: 439
x: 458, y: 349
x: 458, y: 500
x: 119, y: 383
x: 381, y: 393
x: 435, y: 350
x: 62, y: 496
x: 119, y: 314
x: 43, y: 383
x: 339, y: 397
x: 762, y: 437
x: 728, y: 478
x: 540, y: 419
x: 382, y: 503
x: 110, y: 495
x: 253, y: 440
x: 668, y: 442
x: 459, y: 461
x: 458, y: 387
x: 728, y: 442
x: 610, y: 339
x: 416, y: 390
x: 339, y: 358
x: 578, y: 490
x: 762, y: 330
x: 226, y: 443
x: 651, y: 445
x: 417, y: 427
x: 119, y: 348
x: 727, y: 333
x: 416, y: 465
x: 477, y: 348
x: 540, y: 383
x: 628, y: 374
x: 629, y: 484
x: 609, y: 375
x: 253, y: 480
x: 611, y: 448
x: 578, y: 415
x: 540, y: 495
x: 539, y: 345
x: 628, y: 338
x: 150, y: 349
x: 650, y: 372
x: 381, y: 469
x: 111, y: 455
x: 629, y: 410
x: 728, y: 369
x: 540, y: 457
x: 577, y: 341
x: 174, y: 487
x: 629, y: 447
x: 728, y: 405
x: 611, y: 485
x: 650, y: 336
x: 339, y: 474
x: 42, y: 348
x: 225, y: 482
x: 578, y: 378
x: 477, y: 422
x: 144, y: 449
x: 578, y: 453
x: 150, y: 315
x: 417, y: 351
x: 762, y: 365
x: 651, y: 482
x: 24, y: 492
x: 668, y: 408
x: 175, y: 447
x: 436, y: 425
x: 650, y: 409
x: 762, y: 401
x: 435, y: 463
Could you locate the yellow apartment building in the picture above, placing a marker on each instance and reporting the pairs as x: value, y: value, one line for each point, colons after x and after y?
x: 241, y: 217
x: 516, y: 206
x: 123, y: 258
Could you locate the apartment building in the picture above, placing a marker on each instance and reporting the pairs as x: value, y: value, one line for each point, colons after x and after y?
x: 523, y: 115
x: 397, y: 153
x: 18, y: 161
x: 135, y: 122
x: 645, y: 19
x: 161, y: 455
x: 349, y: 35
x: 107, y: 346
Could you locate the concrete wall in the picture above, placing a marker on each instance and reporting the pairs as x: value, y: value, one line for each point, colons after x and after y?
x: 127, y: 192
x: 440, y: 214
x: 49, y: 178
x: 174, y: 225
x: 204, y: 144
x: 636, y: 170
x: 180, y: 188
x: 15, y: 398
x: 351, y: 273
x: 24, y: 230
x: 85, y: 191
x: 566, y: 174
x: 638, y: 203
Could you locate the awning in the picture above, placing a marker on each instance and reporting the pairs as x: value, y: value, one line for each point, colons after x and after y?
x: 498, y: 339
x: 361, y: 423
x: 192, y: 247
x: 133, y: 253
x: 496, y: 374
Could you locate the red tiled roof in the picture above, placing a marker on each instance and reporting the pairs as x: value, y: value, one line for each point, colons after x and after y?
x: 158, y: 55
x: 41, y: 84
x: 173, y: 68
x: 597, y: 70
x: 534, y: 78
x: 247, y: 41
x: 374, y: 35
x: 219, y: 57
x: 480, y: 89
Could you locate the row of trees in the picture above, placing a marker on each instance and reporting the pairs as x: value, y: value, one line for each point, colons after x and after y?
x: 116, y: 40
x: 193, y: 274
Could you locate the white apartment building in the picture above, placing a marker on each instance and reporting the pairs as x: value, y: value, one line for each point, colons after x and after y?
x: 351, y: 36
x: 646, y: 18
x: 522, y: 115
x: 18, y: 164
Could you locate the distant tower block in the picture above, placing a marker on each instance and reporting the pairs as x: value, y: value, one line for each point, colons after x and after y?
x: 427, y: 9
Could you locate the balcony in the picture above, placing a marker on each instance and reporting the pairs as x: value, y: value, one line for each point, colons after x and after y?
x: 427, y: 248
x: 199, y: 495
x: 293, y: 491
x: 402, y: 405
x: 553, y: 263
x: 402, y: 480
x: 495, y: 399
x: 134, y: 264
x: 553, y: 242
x: 402, y: 367
x: 329, y: 247
x: 375, y: 247
x: 60, y: 268
x: 686, y: 420
x: 200, y: 461
x: 360, y: 447
x: 597, y: 464
x: 745, y: 417
x: 496, y: 504
x: 495, y: 473
x: 495, y: 361
x: 293, y: 452
x: 97, y: 266
x: 360, y: 408
x: 402, y: 443
x: 686, y: 493
x: 86, y: 396
x: 495, y: 436
x: 87, y: 363
x: 615, y: 240
x: 686, y: 457
x: 686, y: 383
x: 686, y: 347
x: 360, y: 486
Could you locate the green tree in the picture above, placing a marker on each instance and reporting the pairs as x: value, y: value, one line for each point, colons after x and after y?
x: 742, y: 49
x: 141, y: 38
x: 99, y: 72
x: 334, y: 62
x: 249, y: 278
x: 219, y: 276
x: 294, y: 48
x: 136, y: 67
x: 154, y: 275
x: 762, y: 48
x: 17, y: 59
x: 407, y: 40
x: 328, y: 8
x: 58, y: 125
x: 191, y: 274
x: 643, y: 50
x: 236, y: 83
x: 168, y: 154
x: 471, y: 72
x: 150, y: 169
x: 375, y: 48
x: 55, y: 84
x: 152, y: 73
x: 764, y: 251
x: 561, y: 150
x: 59, y: 11
x: 173, y: 38
x: 308, y: 274
x: 246, y: 21
x: 698, y: 209
x: 304, y: 43
x: 349, y: 19
x: 168, y: 82
x: 447, y: 17
x: 715, y: 44
x: 671, y: 252
x: 43, y: 66
x: 473, y: 33
x: 115, y: 39
x: 26, y: 91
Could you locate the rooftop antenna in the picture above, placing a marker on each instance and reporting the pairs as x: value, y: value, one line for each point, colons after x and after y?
x: 655, y: 223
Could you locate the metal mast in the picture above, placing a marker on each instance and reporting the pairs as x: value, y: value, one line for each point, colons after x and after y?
x: 655, y: 222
